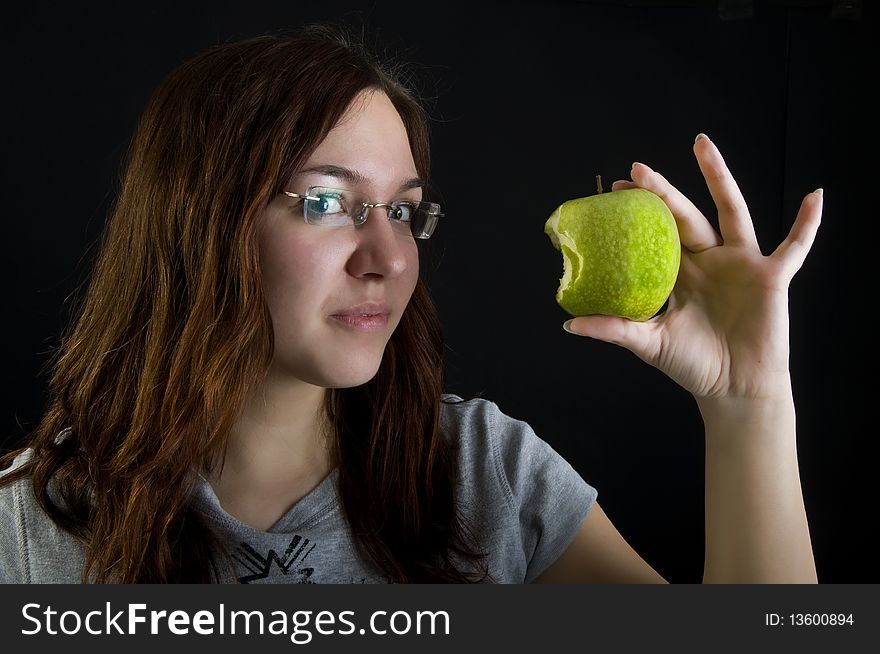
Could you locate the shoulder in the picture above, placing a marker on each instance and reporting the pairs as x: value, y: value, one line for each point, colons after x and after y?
x: 33, y: 549
x: 11, y: 493
x: 13, y: 563
x: 472, y: 428
x: 529, y: 494
x: 479, y: 421
x: 491, y: 440
x: 462, y: 418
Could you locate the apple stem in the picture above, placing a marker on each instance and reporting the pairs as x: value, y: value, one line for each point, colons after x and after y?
x: 599, y: 183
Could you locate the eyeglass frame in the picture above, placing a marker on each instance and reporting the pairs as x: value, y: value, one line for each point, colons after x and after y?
x: 367, y: 206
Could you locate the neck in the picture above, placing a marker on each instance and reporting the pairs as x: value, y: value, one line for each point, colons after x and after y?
x: 280, y: 439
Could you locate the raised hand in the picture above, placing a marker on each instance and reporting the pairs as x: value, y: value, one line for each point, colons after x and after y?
x: 725, y: 331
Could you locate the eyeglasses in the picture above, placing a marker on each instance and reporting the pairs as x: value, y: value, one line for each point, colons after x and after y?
x: 336, y: 208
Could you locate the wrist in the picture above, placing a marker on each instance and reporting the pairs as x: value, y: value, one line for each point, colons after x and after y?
x: 769, y: 412
x: 767, y: 395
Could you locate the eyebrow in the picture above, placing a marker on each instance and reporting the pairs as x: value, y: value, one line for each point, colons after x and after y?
x: 354, y: 177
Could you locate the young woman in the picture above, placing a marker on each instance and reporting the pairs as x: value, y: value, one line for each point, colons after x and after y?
x: 253, y: 388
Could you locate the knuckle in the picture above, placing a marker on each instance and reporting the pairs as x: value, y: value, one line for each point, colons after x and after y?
x: 716, y: 174
x: 736, y: 207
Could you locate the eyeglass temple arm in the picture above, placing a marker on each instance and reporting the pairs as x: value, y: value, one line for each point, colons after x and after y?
x: 297, y: 195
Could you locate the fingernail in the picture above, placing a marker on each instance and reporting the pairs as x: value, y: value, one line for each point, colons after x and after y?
x: 566, y: 324
x: 819, y: 191
x: 700, y: 136
x: 638, y: 163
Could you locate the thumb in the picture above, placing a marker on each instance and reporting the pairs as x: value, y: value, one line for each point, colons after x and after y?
x: 640, y: 338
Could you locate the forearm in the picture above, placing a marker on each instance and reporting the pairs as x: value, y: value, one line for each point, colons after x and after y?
x: 756, y: 524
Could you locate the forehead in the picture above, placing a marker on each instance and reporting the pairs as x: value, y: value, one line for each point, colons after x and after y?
x: 370, y: 142
x: 369, y: 116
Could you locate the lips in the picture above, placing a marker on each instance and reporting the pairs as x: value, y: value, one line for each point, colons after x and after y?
x: 364, y: 317
x: 366, y: 309
x: 376, y: 323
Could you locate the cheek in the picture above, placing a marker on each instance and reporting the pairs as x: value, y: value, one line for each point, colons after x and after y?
x: 295, y: 273
x: 400, y: 285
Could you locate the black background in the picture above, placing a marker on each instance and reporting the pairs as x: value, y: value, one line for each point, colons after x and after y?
x: 530, y: 101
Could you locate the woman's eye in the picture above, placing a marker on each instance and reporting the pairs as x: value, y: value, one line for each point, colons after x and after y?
x: 403, y: 212
x: 327, y: 204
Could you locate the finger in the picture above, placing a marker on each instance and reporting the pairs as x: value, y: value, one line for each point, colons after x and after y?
x: 623, y: 183
x: 792, y: 252
x: 733, y: 214
x: 696, y: 233
x: 640, y: 338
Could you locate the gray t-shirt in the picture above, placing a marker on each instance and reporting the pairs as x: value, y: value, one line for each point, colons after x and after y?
x: 524, y: 502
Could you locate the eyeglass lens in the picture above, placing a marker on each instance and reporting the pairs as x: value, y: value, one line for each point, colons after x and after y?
x: 334, y: 207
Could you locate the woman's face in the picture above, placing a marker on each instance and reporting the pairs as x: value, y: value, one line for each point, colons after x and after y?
x: 311, y: 272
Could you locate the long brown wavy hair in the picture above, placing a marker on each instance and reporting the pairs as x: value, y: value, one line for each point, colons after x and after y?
x: 174, y: 333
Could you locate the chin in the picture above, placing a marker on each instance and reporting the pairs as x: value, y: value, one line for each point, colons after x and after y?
x: 349, y: 382
x: 340, y: 367
x: 360, y: 377
x: 347, y: 375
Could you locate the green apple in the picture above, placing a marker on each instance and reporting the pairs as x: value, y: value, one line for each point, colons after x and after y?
x: 620, y: 253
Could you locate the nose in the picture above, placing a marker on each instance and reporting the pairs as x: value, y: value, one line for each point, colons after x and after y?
x: 381, y: 250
